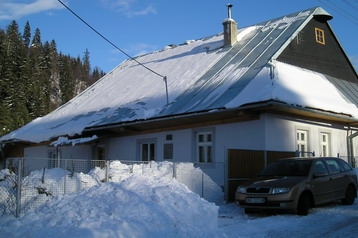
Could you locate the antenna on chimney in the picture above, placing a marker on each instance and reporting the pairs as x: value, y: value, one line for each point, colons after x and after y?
x: 229, y: 6
x: 230, y: 28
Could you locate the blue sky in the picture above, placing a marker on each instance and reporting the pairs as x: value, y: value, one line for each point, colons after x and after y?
x: 142, y: 26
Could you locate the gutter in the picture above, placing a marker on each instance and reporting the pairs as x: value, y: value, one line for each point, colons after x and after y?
x: 261, y: 106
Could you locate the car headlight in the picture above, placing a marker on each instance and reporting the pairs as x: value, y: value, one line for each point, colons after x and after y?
x: 280, y: 190
x: 241, y: 189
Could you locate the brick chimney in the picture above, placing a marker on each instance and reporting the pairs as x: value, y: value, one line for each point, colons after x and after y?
x: 230, y: 28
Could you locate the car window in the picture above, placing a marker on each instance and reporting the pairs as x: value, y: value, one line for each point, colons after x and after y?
x: 320, y: 168
x: 333, y: 166
x: 344, y: 165
x: 287, y: 168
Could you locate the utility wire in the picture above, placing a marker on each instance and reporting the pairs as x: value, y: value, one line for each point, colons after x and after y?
x: 351, y: 4
x: 341, y: 11
x: 106, y: 39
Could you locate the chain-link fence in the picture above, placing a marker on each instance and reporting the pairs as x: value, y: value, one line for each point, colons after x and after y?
x: 27, y: 182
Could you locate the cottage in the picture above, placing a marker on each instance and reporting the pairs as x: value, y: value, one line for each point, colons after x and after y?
x: 232, y: 102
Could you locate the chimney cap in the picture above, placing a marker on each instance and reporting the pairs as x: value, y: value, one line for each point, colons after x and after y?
x: 229, y: 6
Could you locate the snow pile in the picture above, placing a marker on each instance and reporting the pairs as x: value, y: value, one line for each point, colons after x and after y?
x: 139, y: 206
x: 142, y: 206
x: 43, y: 185
x: 194, y: 178
x: 138, y: 199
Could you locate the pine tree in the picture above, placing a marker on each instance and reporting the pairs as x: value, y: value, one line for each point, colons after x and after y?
x: 12, y: 73
x: 34, y: 78
x: 26, y: 36
x: 86, y: 66
x: 67, y: 82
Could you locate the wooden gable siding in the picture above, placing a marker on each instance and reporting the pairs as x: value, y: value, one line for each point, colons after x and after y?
x: 328, y: 58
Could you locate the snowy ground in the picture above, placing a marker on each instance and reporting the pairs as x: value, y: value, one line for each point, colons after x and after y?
x: 157, y: 206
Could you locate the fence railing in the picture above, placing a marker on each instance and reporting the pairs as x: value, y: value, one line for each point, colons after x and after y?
x: 30, y: 182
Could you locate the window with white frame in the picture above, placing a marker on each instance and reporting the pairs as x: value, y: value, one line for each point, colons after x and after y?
x: 54, y: 158
x: 302, y: 142
x: 147, y: 151
x: 204, y: 145
x: 325, y: 144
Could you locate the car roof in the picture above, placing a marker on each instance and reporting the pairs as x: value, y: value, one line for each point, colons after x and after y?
x: 309, y: 158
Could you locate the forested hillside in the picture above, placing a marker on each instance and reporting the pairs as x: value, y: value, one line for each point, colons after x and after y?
x: 35, y: 78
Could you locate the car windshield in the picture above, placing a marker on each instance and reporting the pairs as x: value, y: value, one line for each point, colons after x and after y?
x: 287, y: 168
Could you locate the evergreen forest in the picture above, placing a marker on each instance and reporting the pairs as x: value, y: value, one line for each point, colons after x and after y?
x: 35, y: 78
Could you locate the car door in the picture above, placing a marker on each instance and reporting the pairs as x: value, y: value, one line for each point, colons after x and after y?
x: 321, y: 183
x: 338, y: 178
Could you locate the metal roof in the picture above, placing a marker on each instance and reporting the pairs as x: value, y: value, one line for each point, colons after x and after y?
x: 252, y: 53
x: 204, y: 76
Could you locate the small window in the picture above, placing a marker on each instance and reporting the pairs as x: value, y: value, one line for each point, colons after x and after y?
x: 320, y: 36
x: 169, y: 137
x: 204, y: 145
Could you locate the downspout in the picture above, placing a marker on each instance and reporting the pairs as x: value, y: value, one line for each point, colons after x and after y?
x: 58, y: 157
x: 350, y: 137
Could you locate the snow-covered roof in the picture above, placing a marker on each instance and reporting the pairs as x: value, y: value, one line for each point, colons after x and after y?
x: 202, y: 75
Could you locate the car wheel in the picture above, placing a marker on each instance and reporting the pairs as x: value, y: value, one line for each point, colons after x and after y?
x: 350, y: 196
x: 303, y: 205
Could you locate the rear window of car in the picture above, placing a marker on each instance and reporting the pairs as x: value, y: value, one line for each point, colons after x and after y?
x: 287, y: 168
x: 344, y: 165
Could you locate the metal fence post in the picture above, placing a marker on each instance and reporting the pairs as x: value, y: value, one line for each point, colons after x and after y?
x: 18, y: 192
x: 202, y: 184
x: 107, y: 169
x: 174, y: 170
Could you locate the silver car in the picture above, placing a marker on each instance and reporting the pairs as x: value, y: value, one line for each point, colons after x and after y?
x: 298, y: 184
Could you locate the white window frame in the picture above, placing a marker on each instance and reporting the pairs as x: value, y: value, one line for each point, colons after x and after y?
x: 302, y: 142
x: 325, y: 144
x: 204, y: 146
x: 150, y: 153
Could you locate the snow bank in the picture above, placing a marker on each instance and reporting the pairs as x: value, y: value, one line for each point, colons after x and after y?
x: 139, y: 206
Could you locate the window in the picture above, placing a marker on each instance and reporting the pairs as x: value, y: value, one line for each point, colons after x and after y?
x: 320, y: 169
x: 168, y: 147
x: 168, y: 151
x: 204, y: 142
x: 333, y: 166
x: 302, y: 142
x: 147, y: 151
x: 325, y: 144
x: 54, y: 158
x: 100, y: 153
x: 344, y: 165
x: 52, y: 155
x: 320, y: 36
x: 100, y: 156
